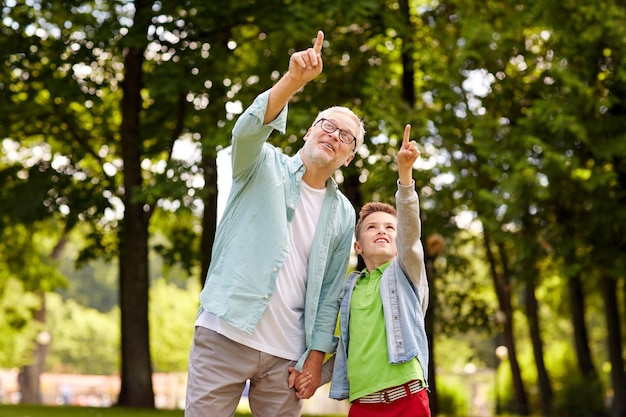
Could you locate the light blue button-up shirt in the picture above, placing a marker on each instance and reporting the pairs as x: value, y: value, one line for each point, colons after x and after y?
x: 252, y: 239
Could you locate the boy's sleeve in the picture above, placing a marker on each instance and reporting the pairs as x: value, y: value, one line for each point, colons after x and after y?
x: 408, y: 239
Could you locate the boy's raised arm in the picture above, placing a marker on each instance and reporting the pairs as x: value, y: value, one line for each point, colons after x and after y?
x: 407, y: 155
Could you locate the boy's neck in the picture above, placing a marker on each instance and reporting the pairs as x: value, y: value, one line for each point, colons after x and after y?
x: 371, y: 265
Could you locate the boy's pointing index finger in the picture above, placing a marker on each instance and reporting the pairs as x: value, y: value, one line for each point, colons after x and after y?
x: 407, y: 136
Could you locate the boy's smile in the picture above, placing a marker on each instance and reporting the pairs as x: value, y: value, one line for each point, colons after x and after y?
x: 377, y: 239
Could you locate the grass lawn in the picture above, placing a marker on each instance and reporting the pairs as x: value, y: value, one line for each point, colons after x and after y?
x: 62, y: 411
x: 67, y: 411
x: 49, y: 411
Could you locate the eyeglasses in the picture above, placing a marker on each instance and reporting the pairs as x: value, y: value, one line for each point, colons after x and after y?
x: 329, y: 127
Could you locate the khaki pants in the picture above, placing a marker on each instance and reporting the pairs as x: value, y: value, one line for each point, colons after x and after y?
x: 218, y: 370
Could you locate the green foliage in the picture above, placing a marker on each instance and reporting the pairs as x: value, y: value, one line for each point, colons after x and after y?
x: 91, y: 283
x: 463, y: 291
x: 84, y: 340
x: 452, y: 396
x: 18, y: 330
x: 27, y: 269
x: 94, y: 284
x: 26, y: 253
x: 176, y: 242
x: 87, y: 341
x: 172, y: 314
x: 579, y: 397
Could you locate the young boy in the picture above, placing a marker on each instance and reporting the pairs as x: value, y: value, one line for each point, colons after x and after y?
x: 381, y: 362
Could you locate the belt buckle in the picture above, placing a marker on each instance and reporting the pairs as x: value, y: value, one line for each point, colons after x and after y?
x: 384, y: 397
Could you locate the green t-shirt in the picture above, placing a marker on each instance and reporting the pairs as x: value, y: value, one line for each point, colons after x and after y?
x: 369, y: 369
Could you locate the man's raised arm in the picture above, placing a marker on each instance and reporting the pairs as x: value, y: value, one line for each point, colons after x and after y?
x: 304, y: 66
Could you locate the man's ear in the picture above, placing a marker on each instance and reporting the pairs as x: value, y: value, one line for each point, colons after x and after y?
x: 348, y: 160
x: 306, y: 136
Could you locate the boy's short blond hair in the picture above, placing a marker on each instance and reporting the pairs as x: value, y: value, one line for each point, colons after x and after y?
x: 370, y: 208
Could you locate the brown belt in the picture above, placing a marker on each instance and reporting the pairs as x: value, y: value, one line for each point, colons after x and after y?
x: 392, y: 394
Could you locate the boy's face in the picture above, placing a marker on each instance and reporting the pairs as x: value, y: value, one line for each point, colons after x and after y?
x: 377, y: 239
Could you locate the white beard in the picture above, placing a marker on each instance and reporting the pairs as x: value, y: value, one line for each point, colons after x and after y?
x: 317, y: 157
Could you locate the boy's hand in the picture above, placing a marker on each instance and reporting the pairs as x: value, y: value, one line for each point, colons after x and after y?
x: 407, y: 155
x: 299, y: 381
x: 306, y: 65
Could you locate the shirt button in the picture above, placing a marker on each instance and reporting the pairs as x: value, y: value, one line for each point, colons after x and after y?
x: 266, y: 296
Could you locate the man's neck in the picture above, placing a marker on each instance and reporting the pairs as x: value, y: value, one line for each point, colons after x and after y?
x: 315, y: 180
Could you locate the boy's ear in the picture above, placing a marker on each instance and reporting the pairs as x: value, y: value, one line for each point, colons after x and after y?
x: 357, y: 248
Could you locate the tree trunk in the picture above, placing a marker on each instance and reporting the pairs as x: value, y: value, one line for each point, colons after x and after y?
x: 545, y: 388
x: 351, y: 187
x: 520, y: 404
x: 215, y: 110
x: 502, y: 288
x: 581, y: 337
x: 614, y: 318
x: 408, y: 50
x: 209, y: 216
x: 431, y: 315
x: 529, y: 273
x: 136, y: 374
x: 28, y: 377
x: 609, y: 296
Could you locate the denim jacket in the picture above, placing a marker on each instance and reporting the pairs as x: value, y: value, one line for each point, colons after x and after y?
x: 252, y: 241
x: 404, y: 294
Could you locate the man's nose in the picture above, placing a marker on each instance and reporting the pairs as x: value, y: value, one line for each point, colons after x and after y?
x: 335, y: 135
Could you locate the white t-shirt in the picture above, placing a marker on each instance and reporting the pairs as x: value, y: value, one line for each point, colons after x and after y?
x: 280, y: 331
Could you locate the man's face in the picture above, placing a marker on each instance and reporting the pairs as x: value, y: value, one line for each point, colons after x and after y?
x: 325, y: 149
x: 377, y: 238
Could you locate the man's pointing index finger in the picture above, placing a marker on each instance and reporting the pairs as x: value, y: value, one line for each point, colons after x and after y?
x: 319, y: 42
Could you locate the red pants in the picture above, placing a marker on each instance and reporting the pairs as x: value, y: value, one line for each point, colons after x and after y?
x: 415, y: 405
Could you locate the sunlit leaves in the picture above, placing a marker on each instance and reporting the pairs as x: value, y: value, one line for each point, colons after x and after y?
x: 84, y: 340
x: 18, y: 330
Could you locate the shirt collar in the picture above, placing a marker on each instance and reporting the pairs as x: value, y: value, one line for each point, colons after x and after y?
x: 380, y: 269
x: 296, y: 167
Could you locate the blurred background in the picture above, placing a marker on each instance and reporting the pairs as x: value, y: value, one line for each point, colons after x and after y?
x: 116, y: 115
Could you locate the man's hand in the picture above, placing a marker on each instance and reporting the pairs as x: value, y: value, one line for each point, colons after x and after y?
x: 306, y: 65
x: 303, y: 67
x: 407, y: 155
x: 298, y: 381
x: 312, y: 369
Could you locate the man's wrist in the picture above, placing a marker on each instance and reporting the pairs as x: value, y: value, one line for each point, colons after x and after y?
x: 316, y: 357
x: 292, y: 83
